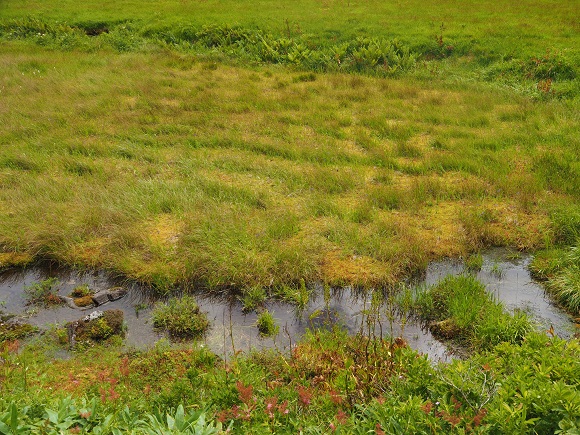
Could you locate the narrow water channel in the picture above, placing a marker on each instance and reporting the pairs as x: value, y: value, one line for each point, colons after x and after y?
x: 232, y: 330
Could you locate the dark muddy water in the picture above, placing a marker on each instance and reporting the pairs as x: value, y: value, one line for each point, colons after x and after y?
x: 232, y: 330
x: 13, y: 301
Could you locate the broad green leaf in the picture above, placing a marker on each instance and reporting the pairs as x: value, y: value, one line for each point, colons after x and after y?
x: 52, y: 416
x: 14, y: 418
x: 179, y: 418
x: 4, y: 429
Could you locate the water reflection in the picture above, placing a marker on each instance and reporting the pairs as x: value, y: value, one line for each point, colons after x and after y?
x: 233, y: 330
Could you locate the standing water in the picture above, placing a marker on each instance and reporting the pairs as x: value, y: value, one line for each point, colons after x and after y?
x: 507, y: 277
x: 232, y: 330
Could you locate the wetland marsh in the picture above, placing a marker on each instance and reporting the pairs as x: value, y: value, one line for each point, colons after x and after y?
x: 287, y: 164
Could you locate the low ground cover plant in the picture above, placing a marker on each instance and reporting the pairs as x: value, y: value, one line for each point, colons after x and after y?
x: 11, y: 329
x: 89, y: 416
x: 330, y: 382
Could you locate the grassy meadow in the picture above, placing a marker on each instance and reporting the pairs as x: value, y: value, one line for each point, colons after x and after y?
x: 174, y: 170
x: 511, y: 28
x: 257, y: 148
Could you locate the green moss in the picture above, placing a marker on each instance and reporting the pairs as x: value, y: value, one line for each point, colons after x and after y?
x: 83, y: 301
x: 10, y: 330
x: 110, y: 324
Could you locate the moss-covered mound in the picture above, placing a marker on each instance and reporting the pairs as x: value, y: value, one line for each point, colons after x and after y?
x: 96, y: 327
x: 11, y: 329
x: 181, y: 317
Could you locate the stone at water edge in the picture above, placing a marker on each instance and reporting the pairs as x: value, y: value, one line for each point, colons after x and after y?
x: 69, y: 301
x: 101, y: 298
x: 93, y: 316
x: 116, y: 293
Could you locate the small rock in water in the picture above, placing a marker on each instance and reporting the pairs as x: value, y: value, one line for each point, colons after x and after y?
x: 68, y: 301
x: 101, y: 298
x: 116, y: 293
x: 93, y: 316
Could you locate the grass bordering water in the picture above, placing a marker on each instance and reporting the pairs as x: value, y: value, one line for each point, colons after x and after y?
x: 257, y: 157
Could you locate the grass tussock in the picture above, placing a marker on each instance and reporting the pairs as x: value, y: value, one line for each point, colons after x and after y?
x: 461, y: 309
x: 266, y: 324
x: 180, y: 317
x: 560, y: 270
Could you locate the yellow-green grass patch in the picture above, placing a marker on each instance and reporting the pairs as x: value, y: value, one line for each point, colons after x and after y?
x: 223, y: 178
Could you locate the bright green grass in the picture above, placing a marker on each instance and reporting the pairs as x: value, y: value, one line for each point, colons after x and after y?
x: 459, y: 308
x: 560, y: 268
x: 531, y: 47
x: 502, y: 28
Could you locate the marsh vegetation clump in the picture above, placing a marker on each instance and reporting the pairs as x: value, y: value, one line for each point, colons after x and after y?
x: 474, y: 262
x: 266, y: 324
x: 82, y: 295
x: 12, y: 329
x: 43, y: 293
x: 81, y: 291
x: 559, y: 270
x: 181, y: 317
x: 460, y: 309
x: 242, y: 205
x: 97, y: 327
x: 253, y: 298
x: 298, y: 296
